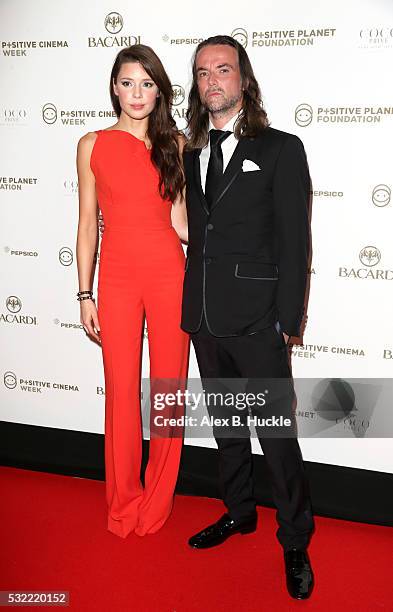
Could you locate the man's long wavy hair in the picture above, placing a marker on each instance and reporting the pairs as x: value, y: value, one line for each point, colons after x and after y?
x: 162, y: 131
x: 253, y: 118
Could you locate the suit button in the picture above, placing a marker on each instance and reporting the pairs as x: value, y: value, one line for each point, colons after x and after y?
x: 210, y: 226
x: 208, y: 260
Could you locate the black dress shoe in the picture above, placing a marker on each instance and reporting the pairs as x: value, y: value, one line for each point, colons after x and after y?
x: 222, y: 530
x: 300, y: 578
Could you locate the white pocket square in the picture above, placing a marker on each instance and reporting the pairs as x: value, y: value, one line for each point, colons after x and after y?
x: 249, y: 165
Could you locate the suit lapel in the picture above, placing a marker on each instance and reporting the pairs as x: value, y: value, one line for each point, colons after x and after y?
x: 197, y: 178
x: 232, y: 170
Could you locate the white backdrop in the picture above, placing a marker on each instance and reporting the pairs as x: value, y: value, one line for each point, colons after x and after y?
x: 325, y: 73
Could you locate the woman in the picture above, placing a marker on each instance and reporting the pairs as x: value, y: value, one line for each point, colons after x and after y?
x: 133, y: 169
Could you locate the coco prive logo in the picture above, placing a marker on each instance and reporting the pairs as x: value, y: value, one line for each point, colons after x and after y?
x: 13, y: 116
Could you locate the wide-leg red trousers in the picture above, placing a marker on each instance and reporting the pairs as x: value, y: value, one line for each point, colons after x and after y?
x: 141, y: 273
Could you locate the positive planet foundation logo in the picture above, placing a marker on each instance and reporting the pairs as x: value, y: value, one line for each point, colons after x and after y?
x: 240, y: 34
x: 291, y: 38
x: 381, y: 195
x: 16, y: 183
x: 303, y: 115
x: 66, y: 256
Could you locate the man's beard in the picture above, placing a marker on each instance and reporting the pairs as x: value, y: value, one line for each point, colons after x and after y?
x: 223, y: 105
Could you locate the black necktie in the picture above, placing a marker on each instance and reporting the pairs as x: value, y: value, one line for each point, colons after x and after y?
x: 215, y: 167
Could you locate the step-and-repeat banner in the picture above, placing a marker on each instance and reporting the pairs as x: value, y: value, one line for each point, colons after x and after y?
x: 325, y: 74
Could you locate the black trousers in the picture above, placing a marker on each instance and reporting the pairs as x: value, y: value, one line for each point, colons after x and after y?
x: 262, y: 355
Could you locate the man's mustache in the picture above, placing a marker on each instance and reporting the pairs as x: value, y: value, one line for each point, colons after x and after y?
x: 209, y: 91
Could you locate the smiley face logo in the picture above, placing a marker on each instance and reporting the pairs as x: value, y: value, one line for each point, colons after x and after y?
x: 49, y: 113
x: 303, y: 115
x: 65, y: 256
x: 13, y: 304
x: 241, y: 36
x: 370, y: 256
x: 10, y: 380
x: 381, y: 195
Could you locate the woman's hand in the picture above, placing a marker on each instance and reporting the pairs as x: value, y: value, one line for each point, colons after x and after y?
x: 179, y: 219
x: 89, y: 319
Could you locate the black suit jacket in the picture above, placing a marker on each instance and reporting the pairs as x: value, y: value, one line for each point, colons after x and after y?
x: 247, y: 256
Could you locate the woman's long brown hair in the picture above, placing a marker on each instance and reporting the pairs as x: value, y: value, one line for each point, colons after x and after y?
x: 162, y: 131
x: 253, y: 118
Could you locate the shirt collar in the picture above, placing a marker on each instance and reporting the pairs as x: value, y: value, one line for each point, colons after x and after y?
x: 228, y: 126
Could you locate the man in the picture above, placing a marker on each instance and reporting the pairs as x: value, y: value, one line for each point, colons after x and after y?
x: 247, y: 204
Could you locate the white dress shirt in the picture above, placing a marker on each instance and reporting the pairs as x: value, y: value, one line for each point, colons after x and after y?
x: 227, y: 147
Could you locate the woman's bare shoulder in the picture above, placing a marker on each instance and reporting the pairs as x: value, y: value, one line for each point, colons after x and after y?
x: 87, y: 141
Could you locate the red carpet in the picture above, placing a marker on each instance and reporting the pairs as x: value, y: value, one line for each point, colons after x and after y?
x: 54, y: 537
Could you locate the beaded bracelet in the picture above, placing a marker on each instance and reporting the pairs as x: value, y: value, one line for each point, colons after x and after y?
x: 85, y: 297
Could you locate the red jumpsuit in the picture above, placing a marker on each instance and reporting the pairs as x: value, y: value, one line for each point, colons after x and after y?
x: 141, y: 273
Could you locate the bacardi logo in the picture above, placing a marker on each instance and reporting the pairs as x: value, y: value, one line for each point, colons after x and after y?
x: 113, y: 23
x: 13, y: 304
x: 370, y: 256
